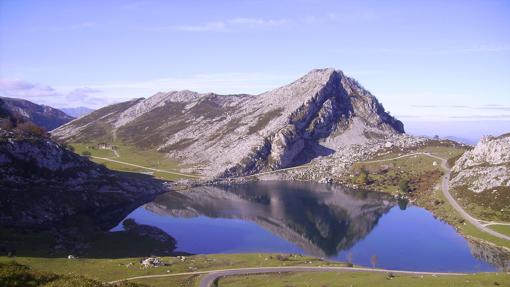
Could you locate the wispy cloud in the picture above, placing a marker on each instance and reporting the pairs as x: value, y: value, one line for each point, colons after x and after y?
x: 46, y: 95
x: 480, y: 107
x: 224, y: 25
x: 475, y: 116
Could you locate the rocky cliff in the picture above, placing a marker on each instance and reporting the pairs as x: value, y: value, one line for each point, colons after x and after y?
x: 42, y: 184
x: 41, y: 115
x: 486, y: 166
x: 317, y: 115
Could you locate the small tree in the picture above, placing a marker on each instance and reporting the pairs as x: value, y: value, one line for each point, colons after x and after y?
x: 403, y: 185
x: 348, y: 257
x: 373, y: 261
x: 29, y: 128
x: 402, y: 203
x: 362, y: 177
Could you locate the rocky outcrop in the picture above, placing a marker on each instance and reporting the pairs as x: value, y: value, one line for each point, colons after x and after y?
x: 42, y: 184
x: 41, y: 115
x: 486, y: 166
x: 317, y: 115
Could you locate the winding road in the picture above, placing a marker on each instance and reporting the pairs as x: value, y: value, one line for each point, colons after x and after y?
x: 144, y: 167
x: 445, y: 189
x: 212, y: 275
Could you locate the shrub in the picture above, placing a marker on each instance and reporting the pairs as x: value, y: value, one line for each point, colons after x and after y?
x: 29, y: 128
x: 403, y: 185
x: 362, y: 177
x: 86, y: 153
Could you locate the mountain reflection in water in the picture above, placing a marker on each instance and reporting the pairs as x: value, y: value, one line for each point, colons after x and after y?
x: 315, y: 219
x: 321, y: 222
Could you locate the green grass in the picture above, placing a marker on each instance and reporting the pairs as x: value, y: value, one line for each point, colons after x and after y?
x: 331, y: 279
x: 446, y: 212
x: 174, y: 281
x: 115, y: 269
x: 446, y: 152
x: 503, y: 229
x: 384, y: 176
x: 491, y: 205
x: 14, y: 274
x: 130, y: 154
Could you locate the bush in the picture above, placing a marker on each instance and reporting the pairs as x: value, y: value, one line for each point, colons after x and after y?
x: 29, y: 128
x: 403, y: 185
x: 362, y: 177
x: 86, y: 153
x: 13, y: 275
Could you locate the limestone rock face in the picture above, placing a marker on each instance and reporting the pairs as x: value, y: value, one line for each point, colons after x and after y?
x: 231, y: 135
x: 486, y: 166
x: 42, y: 184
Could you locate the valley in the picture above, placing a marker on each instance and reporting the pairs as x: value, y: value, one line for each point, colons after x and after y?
x: 321, y: 182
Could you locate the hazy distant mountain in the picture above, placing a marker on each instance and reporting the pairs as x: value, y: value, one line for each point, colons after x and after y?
x: 77, y: 112
x: 461, y: 140
x: 41, y: 115
x: 316, y: 115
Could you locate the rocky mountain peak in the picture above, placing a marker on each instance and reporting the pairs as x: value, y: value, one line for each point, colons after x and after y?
x: 229, y: 135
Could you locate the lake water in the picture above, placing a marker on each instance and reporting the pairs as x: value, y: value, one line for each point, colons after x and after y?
x: 313, y: 219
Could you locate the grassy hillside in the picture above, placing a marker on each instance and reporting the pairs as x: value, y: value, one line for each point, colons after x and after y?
x: 116, y: 269
x: 129, y: 154
x: 13, y: 274
x: 331, y: 279
x: 422, y: 179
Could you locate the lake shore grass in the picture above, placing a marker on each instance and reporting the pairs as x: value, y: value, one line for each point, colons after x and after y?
x: 332, y: 279
x: 117, y: 269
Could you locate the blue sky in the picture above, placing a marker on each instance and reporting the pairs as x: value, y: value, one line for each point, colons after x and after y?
x: 424, y: 60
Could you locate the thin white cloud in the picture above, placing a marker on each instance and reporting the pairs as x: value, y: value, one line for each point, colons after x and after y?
x: 479, y: 107
x: 224, y: 25
x: 46, y: 95
x: 431, y: 51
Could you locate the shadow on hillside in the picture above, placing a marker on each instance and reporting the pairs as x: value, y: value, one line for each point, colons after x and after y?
x: 86, y: 234
x: 310, y: 152
x: 83, y: 244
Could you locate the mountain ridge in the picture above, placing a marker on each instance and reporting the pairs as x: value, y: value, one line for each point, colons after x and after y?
x: 44, y: 116
x: 232, y: 135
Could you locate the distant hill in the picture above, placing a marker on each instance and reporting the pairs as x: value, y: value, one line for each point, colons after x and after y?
x: 230, y: 135
x: 77, y: 111
x: 44, y: 116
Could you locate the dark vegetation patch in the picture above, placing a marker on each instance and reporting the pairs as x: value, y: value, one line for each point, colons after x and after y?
x: 180, y: 145
x: 208, y: 108
x: 264, y: 120
x: 387, y: 177
x: 84, y: 242
x: 152, y: 129
x: 230, y: 127
x: 13, y: 274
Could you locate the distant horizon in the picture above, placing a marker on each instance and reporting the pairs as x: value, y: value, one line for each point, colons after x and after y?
x: 424, y: 61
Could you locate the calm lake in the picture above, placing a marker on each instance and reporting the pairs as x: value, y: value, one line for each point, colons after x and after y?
x: 313, y: 219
